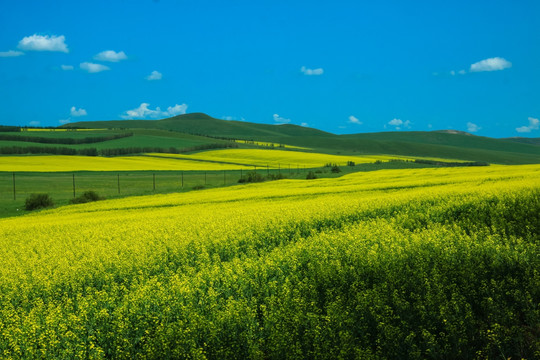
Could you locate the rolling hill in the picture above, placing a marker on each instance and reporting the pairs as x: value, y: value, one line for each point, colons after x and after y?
x: 448, y: 144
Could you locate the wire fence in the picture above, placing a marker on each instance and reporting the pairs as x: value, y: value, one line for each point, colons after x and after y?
x: 65, y: 185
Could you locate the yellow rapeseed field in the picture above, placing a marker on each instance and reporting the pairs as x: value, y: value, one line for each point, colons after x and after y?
x: 283, y: 158
x: 378, y: 264
x: 53, y: 163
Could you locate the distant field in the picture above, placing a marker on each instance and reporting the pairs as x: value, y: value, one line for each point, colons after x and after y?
x: 275, y: 158
x: 141, y: 138
x: 64, y: 163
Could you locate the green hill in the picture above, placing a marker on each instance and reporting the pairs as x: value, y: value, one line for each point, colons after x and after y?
x: 202, y: 124
x: 448, y: 144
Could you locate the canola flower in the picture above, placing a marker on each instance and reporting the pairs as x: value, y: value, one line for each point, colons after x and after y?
x: 283, y: 158
x: 387, y: 264
x: 67, y: 163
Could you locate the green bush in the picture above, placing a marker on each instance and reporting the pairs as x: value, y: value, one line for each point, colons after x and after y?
x: 87, y: 196
x: 198, y: 187
x: 251, y: 177
x: 278, y: 176
x: 336, y: 169
x: 38, y: 201
x: 311, y: 175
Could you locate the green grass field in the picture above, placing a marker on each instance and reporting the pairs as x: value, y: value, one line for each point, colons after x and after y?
x: 59, y: 185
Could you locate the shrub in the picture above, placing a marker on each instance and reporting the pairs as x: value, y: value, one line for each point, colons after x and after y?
x: 38, y: 201
x: 251, y: 177
x: 311, y: 175
x: 198, y: 187
x: 336, y: 169
x: 278, y: 176
x: 87, y: 196
x: 351, y: 163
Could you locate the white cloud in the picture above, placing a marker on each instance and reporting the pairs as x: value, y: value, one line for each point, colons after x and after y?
x: 307, y: 71
x: 534, y: 124
x: 281, y: 120
x: 34, y: 123
x: 304, y: 124
x: 175, y: 110
x: 472, y: 127
x: 399, y: 124
x: 462, y: 72
x: 491, y: 64
x: 66, y: 67
x: 43, y: 43
x: 64, y: 121
x: 452, y: 73
x: 111, y: 56
x: 11, y: 53
x: 354, y: 120
x: 75, y: 112
x: 93, y: 68
x: 143, y: 112
x: 227, y: 117
x: 154, y: 75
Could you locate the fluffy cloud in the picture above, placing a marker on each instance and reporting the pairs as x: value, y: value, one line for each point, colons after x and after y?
x: 399, y: 124
x: 471, y: 127
x: 281, y: 120
x: 66, y: 67
x: 34, y: 123
x: 304, y: 124
x: 43, y: 43
x: 11, y: 53
x: 64, y: 121
x: 534, y: 124
x: 75, y: 112
x: 93, y: 68
x: 354, y: 120
x: 307, y: 71
x: 111, y: 56
x: 144, y: 112
x: 154, y: 75
x: 491, y: 64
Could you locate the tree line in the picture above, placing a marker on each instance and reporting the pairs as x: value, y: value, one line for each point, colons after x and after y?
x: 66, y: 141
x: 23, y: 150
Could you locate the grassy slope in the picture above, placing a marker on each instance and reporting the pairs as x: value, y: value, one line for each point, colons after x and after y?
x: 424, y: 144
x: 197, y: 123
x: 140, y: 138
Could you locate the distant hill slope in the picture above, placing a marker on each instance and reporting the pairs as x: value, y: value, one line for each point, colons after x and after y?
x: 531, y: 141
x: 202, y: 124
x: 447, y: 144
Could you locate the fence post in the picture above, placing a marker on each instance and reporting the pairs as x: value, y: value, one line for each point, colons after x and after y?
x: 73, y: 184
x: 14, y: 193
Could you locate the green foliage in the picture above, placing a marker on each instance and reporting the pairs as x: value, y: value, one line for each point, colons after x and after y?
x: 198, y: 187
x: 251, y: 177
x: 87, y: 196
x: 311, y: 175
x: 335, y: 169
x: 38, y: 201
x: 276, y: 176
x: 350, y: 163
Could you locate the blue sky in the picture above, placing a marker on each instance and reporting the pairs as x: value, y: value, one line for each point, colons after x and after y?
x: 342, y: 66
